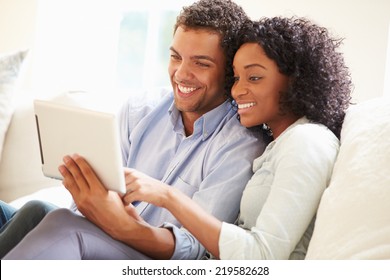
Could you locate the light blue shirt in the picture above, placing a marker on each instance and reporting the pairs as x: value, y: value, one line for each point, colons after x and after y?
x: 212, y: 165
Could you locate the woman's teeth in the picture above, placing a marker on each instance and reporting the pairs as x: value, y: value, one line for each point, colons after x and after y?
x: 246, y: 105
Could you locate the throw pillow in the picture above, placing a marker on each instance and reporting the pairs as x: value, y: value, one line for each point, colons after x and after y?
x: 353, y: 219
x: 10, y: 65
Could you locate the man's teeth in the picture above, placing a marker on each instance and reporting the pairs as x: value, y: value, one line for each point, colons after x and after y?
x: 246, y: 105
x: 186, y: 89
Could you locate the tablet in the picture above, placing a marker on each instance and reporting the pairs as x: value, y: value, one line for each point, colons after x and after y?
x: 66, y: 130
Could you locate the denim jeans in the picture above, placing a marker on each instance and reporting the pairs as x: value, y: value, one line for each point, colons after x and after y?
x: 6, y: 213
x: 15, y: 224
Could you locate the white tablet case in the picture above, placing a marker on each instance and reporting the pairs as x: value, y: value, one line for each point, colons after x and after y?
x: 66, y: 130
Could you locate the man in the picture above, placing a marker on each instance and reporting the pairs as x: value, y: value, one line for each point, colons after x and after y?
x: 191, y: 140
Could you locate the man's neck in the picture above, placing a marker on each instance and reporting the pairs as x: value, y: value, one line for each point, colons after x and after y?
x: 189, y: 118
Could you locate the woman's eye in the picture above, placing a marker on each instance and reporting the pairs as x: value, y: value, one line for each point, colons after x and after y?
x: 254, y: 78
x: 236, y: 78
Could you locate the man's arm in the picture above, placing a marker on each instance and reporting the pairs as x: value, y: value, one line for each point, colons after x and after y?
x: 228, y: 170
x: 106, y: 209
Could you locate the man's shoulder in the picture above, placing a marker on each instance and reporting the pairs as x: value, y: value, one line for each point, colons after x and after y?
x: 233, y: 136
x: 232, y: 128
x: 140, y: 106
x: 149, y: 99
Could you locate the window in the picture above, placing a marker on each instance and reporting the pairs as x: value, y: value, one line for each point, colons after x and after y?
x: 98, y: 46
x: 144, y: 39
x: 140, y: 62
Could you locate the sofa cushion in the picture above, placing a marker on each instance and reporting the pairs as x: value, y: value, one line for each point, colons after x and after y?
x: 353, y: 219
x: 10, y: 65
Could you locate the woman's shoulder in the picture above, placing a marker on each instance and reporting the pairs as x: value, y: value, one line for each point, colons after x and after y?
x: 307, y: 134
x: 306, y: 129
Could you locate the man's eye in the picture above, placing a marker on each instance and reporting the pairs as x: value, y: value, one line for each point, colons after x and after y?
x: 175, y: 57
x: 201, y: 64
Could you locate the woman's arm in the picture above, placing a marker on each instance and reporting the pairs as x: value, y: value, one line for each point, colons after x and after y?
x: 205, y: 227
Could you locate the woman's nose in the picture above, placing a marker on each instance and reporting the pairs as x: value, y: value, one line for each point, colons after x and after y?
x: 238, y: 89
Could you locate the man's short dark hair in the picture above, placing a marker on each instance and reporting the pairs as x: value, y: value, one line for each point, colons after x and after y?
x: 223, y: 17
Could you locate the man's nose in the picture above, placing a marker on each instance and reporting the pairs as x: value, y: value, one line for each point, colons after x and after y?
x: 183, y: 72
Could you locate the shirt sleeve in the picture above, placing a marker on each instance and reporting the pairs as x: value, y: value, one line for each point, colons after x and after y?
x: 302, y: 166
x: 130, y: 114
x: 186, y: 245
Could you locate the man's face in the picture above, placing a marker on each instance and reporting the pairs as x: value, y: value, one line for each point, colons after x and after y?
x: 197, y: 71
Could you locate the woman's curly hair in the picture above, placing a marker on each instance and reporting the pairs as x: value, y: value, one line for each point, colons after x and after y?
x: 321, y: 85
x: 223, y: 17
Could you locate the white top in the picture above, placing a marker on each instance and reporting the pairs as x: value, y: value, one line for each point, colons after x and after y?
x: 280, y: 201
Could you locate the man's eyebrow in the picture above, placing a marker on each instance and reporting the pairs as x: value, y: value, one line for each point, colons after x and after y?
x: 195, y: 57
x: 173, y: 49
x: 206, y: 57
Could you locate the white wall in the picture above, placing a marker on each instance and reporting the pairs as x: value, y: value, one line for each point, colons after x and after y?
x: 17, y: 28
x: 17, y: 24
x: 364, y: 25
x: 81, y: 36
x: 387, y: 71
x: 67, y: 40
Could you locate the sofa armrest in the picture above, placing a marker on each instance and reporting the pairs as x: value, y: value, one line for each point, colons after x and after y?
x: 20, y: 166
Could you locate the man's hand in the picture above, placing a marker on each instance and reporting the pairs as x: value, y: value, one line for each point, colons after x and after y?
x: 106, y: 210
x: 102, y: 207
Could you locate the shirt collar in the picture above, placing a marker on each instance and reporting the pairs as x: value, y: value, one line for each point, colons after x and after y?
x: 300, y: 121
x: 206, y: 124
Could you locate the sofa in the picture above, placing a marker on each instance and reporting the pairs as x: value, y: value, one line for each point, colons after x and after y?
x: 353, y: 219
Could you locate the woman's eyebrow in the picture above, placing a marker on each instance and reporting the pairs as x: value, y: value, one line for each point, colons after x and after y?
x: 254, y: 65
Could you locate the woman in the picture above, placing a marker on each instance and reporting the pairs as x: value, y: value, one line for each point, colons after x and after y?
x: 291, y: 80
x: 11, y: 233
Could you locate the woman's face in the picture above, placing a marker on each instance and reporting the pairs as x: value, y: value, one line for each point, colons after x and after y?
x: 257, y: 89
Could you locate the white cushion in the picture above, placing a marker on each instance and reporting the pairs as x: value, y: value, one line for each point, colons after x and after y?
x: 57, y: 195
x: 10, y: 65
x: 353, y: 220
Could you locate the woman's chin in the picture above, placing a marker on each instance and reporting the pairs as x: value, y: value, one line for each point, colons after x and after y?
x: 247, y: 124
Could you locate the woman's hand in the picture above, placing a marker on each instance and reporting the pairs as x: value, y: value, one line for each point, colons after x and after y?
x: 141, y: 187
